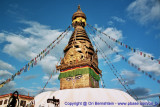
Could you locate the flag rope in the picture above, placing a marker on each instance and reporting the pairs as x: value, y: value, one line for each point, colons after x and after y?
x: 40, y: 56
x: 113, y: 69
x: 129, y: 62
x: 127, y: 46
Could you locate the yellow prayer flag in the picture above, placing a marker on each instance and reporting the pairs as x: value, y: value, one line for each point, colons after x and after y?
x: 1, y: 85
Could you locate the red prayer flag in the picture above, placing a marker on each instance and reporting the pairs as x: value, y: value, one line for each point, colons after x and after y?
x: 126, y: 46
x: 140, y: 53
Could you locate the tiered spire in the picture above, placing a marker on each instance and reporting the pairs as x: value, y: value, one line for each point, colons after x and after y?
x: 79, y: 53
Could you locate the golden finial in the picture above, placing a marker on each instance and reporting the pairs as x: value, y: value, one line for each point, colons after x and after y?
x: 79, y: 8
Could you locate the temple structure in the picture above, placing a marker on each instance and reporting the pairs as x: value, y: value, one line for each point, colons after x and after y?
x: 79, y: 67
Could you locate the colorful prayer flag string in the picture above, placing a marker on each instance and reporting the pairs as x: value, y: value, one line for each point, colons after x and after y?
x: 34, y: 61
x: 126, y: 60
x: 127, y: 46
x: 121, y: 81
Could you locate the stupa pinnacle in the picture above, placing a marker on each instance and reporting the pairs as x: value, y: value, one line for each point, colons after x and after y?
x: 79, y: 67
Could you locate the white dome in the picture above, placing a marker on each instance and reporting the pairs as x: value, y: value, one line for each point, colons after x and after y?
x: 93, y: 97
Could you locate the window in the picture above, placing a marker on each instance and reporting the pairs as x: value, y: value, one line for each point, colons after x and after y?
x: 23, y: 103
x: 6, y: 100
x: 1, y: 102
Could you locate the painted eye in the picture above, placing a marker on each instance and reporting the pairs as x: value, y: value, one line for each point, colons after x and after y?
x: 78, y: 76
x: 69, y: 78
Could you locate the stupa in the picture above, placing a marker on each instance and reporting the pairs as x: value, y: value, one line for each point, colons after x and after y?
x: 79, y: 76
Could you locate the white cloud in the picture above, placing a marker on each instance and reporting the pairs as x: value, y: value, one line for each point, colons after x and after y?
x: 110, y: 23
x: 141, y: 91
x: 24, y: 47
x: 128, y: 76
x: 150, y: 96
x: 11, y: 87
x: 20, y: 47
x: 145, y: 63
x: 117, y: 58
x: 7, y: 88
x: 118, y: 19
x: 145, y: 11
x: 52, y: 80
x: 2, y: 37
x: 47, y: 89
x: 112, y: 32
x: 5, y: 74
x: 6, y: 66
x: 48, y: 64
x: 29, y: 77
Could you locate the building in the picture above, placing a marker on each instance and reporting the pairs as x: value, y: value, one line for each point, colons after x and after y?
x: 79, y: 76
x: 23, y: 100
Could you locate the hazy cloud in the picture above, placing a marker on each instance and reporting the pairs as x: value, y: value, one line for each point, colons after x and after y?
x: 145, y: 11
x: 118, y: 19
x: 52, y: 80
x: 5, y: 74
x: 29, y: 77
x: 2, y: 37
x: 145, y: 63
x: 6, y: 66
x: 24, y: 47
x: 117, y: 58
x: 139, y: 91
x: 128, y: 76
x: 112, y: 32
x: 150, y: 96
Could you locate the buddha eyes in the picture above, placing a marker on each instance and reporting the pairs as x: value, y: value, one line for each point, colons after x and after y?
x: 76, y: 78
x: 69, y: 78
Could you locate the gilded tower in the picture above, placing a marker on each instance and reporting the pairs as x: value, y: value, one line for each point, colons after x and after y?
x: 79, y: 67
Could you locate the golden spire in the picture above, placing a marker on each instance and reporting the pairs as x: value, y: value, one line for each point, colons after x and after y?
x: 79, y: 18
x: 79, y: 8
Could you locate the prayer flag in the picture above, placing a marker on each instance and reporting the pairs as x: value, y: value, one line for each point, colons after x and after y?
x: 134, y: 50
x: 125, y: 59
x: 150, y: 76
x: 8, y: 80
x: 28, y: 67
x: 152, y: 58
x: 12, y: 78
x: 32, y: 65
x: 40, y: 57
x: 35, y: 62
x: 1, y: 85
x: 25, y: 69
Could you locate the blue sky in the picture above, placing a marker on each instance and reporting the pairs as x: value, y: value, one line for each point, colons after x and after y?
x: 28, y: 27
